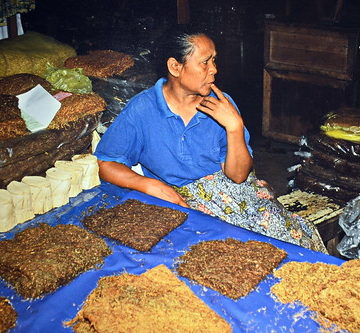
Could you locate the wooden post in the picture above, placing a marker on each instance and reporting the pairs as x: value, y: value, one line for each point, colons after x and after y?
x: 12, y: 26
x: 183, y: 11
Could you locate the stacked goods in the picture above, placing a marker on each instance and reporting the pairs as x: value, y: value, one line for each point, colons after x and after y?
x: 343, y: 125
x: 101, y: 63
x: 331, y: 291
x: 135, y: 224
x: 104, y: 68
x: 29, y: 53
x: 41, y: 259
x: 34, y: 153
x: 156, y: 301
x: 11, y: 123
x: 332, y: 168
x: 73, y: 107
x: 70, y: 132
x: 37, y: 195
x: 231, y: 267
x: 7, y: 315
x: 118, y: 89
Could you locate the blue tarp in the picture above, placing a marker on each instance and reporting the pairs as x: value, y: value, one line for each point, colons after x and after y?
x: 257, y: 312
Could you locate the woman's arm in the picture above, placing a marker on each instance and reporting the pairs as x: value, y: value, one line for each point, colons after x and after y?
x: 238, y: 162
x: 121, y: 175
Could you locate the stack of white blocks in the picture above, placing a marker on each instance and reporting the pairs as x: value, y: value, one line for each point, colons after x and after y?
x: 21, y: 201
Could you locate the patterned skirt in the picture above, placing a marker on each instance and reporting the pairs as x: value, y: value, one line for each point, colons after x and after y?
x: 250, y: 205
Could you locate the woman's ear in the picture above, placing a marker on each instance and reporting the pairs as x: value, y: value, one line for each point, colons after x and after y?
x: 174, y: 67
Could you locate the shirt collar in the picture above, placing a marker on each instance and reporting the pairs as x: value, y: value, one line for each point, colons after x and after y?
x: 161, y: 99
x: 163, y: 105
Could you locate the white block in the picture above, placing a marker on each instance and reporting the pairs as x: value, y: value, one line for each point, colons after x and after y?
x: 7, y: 211
x: 60, y: 182
x: 21, y: 197
x: 77, y: 175
x: 41, y: 195
x: 91, y: 170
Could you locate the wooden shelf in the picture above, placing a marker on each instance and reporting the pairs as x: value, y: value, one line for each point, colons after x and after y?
x: 308, y: 72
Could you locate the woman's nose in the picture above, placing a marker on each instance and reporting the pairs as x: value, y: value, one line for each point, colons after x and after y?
x: 213, y: 69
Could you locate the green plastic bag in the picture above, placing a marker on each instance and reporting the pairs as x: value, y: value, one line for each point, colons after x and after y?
x: 66, y: 79
x: 341, y: 133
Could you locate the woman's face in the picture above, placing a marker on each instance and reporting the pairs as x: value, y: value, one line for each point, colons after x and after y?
x: 198, y: 72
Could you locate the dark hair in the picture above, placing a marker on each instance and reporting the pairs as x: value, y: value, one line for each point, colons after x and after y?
x: 176, y: 44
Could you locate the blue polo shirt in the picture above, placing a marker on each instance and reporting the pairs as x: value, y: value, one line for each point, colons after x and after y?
x: 149, y: 133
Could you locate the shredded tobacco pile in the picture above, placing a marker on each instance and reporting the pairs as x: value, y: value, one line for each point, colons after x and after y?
x: 7, y: 315
x: 332, y: 291
x: 13, y: 128
x: 231, y: 267
x: 20, y: 83
x: 101, y: 63
x: 39, y: 260
x: 11, y: 123
x: 75, y: 107
x: 9, y: 107
x: 135, y: 224
x: 156, y: 301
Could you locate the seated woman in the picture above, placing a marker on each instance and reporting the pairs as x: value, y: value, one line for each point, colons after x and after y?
x: 193, y: 147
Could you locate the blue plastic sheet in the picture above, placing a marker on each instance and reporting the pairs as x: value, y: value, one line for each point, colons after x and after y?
x: 257, y: 312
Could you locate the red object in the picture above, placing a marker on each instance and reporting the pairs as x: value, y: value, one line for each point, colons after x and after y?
x: 61, y: 95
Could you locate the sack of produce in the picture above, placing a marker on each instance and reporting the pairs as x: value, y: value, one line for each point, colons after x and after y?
x: 29, y: 53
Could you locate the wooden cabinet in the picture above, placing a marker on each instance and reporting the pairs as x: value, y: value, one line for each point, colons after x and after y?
x: 308, y: 72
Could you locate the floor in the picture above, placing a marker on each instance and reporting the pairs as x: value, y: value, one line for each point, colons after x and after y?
x: 272, y: 160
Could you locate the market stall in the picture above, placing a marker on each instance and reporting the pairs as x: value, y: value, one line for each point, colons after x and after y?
x: 258, y: 311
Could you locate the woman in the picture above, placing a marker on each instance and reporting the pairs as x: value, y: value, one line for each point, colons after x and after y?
x: 191, y: 142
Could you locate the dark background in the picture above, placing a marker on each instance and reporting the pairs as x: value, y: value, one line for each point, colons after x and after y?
x: 237, y: 27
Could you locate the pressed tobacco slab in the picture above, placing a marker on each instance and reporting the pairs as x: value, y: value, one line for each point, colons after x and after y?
x: 39, y: 260
x: 135, y: 224
x: 155, y: 301
x: 331, y: 291
x: 231, y: 267
x: 7, y: 315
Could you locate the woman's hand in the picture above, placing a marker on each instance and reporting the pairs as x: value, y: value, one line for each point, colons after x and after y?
x: 121, y: 175
x: 222, y: 110
x: 160, y: 190
x: 238, y: 162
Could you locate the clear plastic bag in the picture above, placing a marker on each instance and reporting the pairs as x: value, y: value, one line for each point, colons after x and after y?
x: 340, y: 148
x: 349, y: 221
x: 118, y: 89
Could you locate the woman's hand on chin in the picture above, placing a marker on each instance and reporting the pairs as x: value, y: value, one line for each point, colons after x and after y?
x: 222, y: 110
